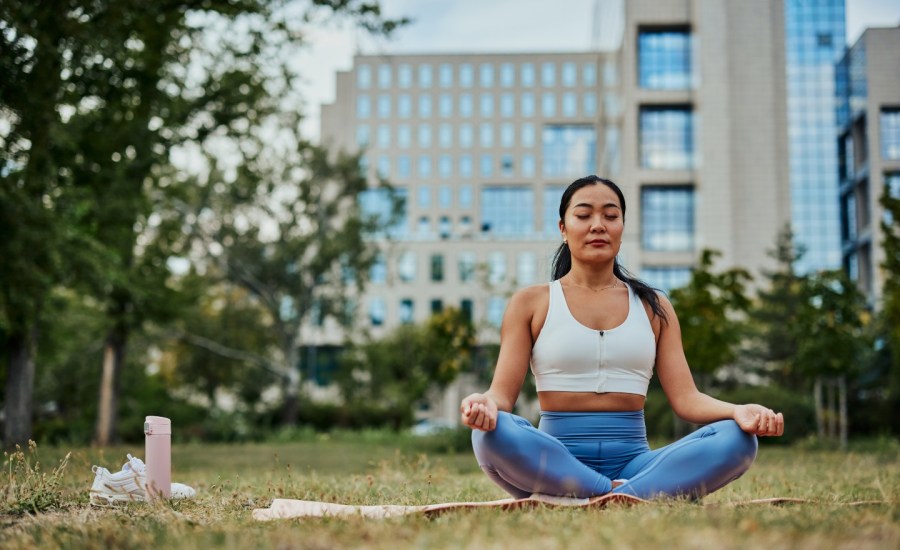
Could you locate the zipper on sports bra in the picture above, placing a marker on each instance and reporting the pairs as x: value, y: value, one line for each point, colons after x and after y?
x: 601, y: 362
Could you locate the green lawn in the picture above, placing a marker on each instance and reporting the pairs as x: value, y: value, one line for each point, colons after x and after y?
x: 377, y: 469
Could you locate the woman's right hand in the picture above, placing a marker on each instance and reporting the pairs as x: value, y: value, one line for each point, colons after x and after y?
x: 479, y: 412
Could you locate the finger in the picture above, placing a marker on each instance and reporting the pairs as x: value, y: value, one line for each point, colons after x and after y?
x: 780, y: 430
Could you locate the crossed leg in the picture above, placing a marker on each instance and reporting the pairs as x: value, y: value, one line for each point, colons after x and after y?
x: 523, y: 460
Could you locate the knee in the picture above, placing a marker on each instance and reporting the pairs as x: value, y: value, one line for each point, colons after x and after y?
x: 743, y: 445
x: 501, y: 440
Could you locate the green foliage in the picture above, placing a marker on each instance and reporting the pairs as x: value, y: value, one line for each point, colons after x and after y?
x: 709, y: 309
x: 397, y: 370
x: 25, y: 488
x: 889, y: 322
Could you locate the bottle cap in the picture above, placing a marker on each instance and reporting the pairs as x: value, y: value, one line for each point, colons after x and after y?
x: 157, y: 425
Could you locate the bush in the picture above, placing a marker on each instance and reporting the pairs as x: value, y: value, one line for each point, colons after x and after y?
x: 799, y: 412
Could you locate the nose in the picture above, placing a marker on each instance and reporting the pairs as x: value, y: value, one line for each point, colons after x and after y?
x: 597, y: 225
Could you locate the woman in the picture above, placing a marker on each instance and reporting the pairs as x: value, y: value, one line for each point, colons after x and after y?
x: 593, y: 341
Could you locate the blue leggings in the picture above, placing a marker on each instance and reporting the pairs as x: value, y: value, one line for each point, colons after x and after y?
x: 578, y: 454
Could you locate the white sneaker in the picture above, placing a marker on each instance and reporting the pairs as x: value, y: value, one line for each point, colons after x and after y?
x: 128, y: 485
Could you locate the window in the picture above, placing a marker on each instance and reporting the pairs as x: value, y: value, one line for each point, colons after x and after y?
x: 527, y: 101
x: 425, y: 76
x: 548, y: 75
x: 465, y: 262
x: 528, y: 166
x: 424, y: 196
x: 384, y: 106
x: 377, y: 311
x: 363, y: 106
x: 486, y: 75
x: 445, y: 136
x: 849, y: 226
x: 445, y: 106
x: 610, y: 73
x: 378, y: 271
x: 384, y: 167
x: 445, y: 75
x: 467, y: 308
x: 569, y: 104
x: 667, y: 218
x: 424, y: 136
x: 667, y: 138
x: 404, y: 136
x: 589, y: 74
x: 569, y: 150
x: 507, y: 75
x: 377, y: 205
x: 569, y: 74
x: 445, y: 166
x: 466, y: 75
x: 507, y: 135
x: 404, y: 76
x: 890, y: 134
x: 437, y: 268
x: 362, y: 136
x: 589, y: 104
x: 548, y: 105
x: 507, y: 166
x: 495, y: 307
x: 526, y: 268
x: 404, y: 106
x: 486, y: 165
x: 465, y: 166
x: 466, y: 136
x: 444, y: 229
x: 892, y: 190
x: 406, y: 266
x: 384, y: 76
x: 406, y: 311
x: 528, y: 135
x: 425, y: 106
x: 465, y: 105
x: 363, y: 77
x: 486, y: 105
x: 465, y: 196
x: 437, y: 306
x: 507, y: 211
x: 666, y: 278
x: 496, y: 267
x: 507, y: 105
x: 664, y: 59
x: 486, y: 135
x: 403, y: 167
x: 424, y: 228
x: 465, y: 226
x: 384, y: 136
x: 424, y: 167
x: 527, y: 75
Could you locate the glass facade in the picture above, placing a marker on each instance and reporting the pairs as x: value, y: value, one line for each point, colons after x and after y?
x: 664, y: 59
x: 507, y: 211
x: 667, y: 218
x: 667, y: 138
x: 814, y: 40
x: 550, y: 199
x: 569, y: 150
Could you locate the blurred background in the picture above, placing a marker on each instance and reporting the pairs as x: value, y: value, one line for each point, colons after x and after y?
x: 263, y: 217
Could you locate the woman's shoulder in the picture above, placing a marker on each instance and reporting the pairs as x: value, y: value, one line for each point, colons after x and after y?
x: 531, y: 297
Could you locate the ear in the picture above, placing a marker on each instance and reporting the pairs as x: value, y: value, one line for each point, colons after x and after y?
x: 562, y: 229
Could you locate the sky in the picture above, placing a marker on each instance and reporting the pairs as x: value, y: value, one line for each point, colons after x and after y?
x: 458, y: 26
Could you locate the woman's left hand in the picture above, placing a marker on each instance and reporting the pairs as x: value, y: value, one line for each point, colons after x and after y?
x: 759, y: 420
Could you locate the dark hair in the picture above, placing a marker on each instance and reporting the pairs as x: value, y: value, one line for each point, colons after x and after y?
x: 562, y: 260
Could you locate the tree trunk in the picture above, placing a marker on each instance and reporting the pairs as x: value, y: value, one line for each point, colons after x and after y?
x: 107, y: 410
x: 19, y: 388
x: 291, y: 409
x: 820, y: 416
x: 842, y: 400
x: 832, y: 410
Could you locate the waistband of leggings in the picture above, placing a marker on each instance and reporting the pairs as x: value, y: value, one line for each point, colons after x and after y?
x: 588, y: 415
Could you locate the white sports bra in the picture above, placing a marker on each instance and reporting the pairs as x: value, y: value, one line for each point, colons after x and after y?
x: 571, y: 357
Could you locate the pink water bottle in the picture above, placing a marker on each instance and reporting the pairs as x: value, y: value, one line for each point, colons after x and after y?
x: 158, y: 452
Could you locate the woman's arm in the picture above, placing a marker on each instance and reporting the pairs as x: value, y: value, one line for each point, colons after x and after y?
x: 479, y: 410
x: 688, y: 402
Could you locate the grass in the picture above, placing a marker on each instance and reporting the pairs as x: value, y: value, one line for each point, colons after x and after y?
x: 373, y: 468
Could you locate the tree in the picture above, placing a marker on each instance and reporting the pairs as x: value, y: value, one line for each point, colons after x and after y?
x: 889, y: 316
x: 96, y: 94
x: 709, y: 308
x: 397, y: 370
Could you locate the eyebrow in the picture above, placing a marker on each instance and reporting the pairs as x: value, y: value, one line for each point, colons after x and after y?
x: 589, y: 205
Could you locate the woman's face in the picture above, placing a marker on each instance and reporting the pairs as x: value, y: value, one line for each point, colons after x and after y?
x: 593, y: 224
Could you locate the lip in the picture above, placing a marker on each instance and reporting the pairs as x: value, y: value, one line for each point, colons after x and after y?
x: 598, y: 242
